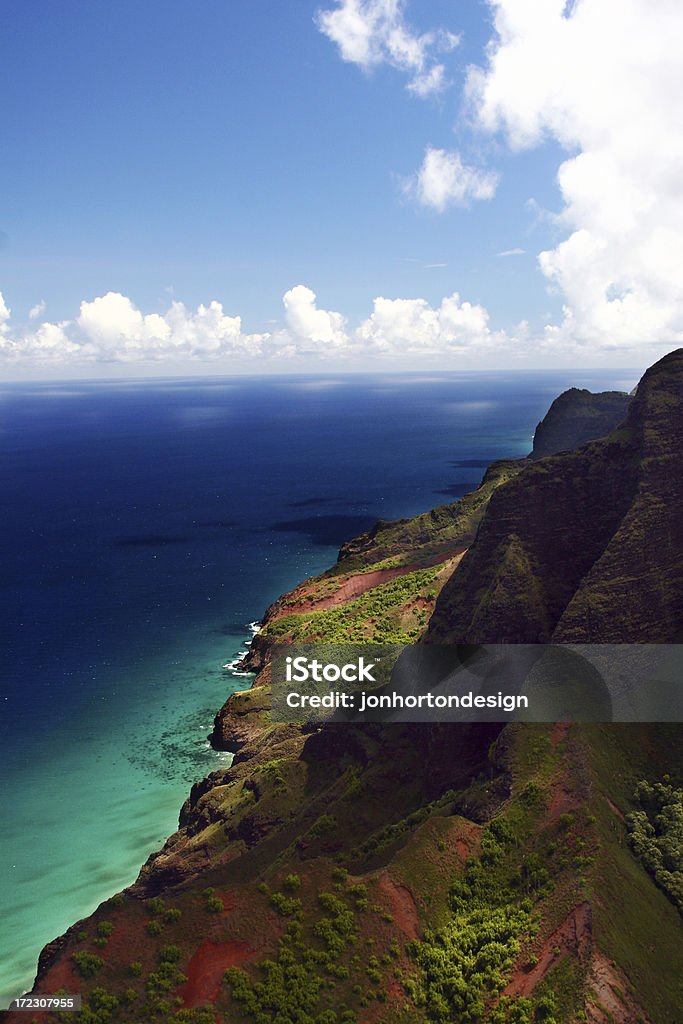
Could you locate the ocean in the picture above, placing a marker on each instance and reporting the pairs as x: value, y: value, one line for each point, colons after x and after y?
x: 145, y: 525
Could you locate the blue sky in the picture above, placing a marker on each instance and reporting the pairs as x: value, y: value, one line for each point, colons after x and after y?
x: 161, y: 157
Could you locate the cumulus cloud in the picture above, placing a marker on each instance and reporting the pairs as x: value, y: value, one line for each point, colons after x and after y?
x: 110, y: 328
x: 36, y: 311
x: 411, y: 326
x: 113, y: 326
x: 395, y: 327
x: 373, y: 32
x: 444, y: 180
x: 605, y: 83
x: 309, y: 327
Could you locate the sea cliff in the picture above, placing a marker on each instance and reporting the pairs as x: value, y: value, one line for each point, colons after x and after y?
x: 368, y: 873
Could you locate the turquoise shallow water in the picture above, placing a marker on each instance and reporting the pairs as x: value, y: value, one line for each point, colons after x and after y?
x: 144, y: 526
x: 97, y: 800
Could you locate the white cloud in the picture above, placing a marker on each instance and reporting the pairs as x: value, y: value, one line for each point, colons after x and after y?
x: 110, y: 329
x: 511, y: 252
x: 5, y: 314
x: 37, y: 310
x: 112, y: 326
x: 413, y: 326
x: 373, y: 32
x: 604, y: 81
x: 444, y: 180
x: 48, y: 343
x: 311, y: 328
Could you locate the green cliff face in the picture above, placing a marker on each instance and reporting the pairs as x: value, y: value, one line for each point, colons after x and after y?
x: 436, y: 873
x: 577, y: 416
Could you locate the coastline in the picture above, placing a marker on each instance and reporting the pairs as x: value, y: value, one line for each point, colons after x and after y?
x: 238, y: 671
x: 134, y: 825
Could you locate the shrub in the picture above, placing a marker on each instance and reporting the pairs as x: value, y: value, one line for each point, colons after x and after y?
x: 325, y: 824
x: 656, y: 836
x: 87, y: 964
x: 291, y: 883
x: 103, y: 1004
x: 170, y: 954
x: 465, y: 963
x: 199, y: 1015
x: 166, y: 977
x: 285, y: 905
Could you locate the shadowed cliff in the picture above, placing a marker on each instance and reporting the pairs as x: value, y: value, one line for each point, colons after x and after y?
x: 585, y: 545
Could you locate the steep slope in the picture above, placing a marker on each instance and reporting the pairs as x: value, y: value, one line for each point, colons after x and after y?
x: 584, y: 545
x: 382, y: 589
x: 635, y: 588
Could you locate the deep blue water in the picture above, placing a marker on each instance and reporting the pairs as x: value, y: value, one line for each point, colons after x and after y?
x: 144, y: 525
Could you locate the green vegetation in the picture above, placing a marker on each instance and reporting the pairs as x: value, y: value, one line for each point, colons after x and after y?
x: 87, y: 964
x: 656, y: 836
x: 212, y: 903
x: 426, y: 537
x: 166, y: 977
x: 285, y: 905
x: 323, y: 825
x: 100, y: 1007
x: 199, y: 1015
x: 155, y: 906
x: 465, y: 963
x: 298, y: 986
x: 380, y: 614
x: 103, y: 931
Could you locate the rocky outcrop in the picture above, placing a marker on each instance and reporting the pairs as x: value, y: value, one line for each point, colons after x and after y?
x: 243, y: 717
x: 578, y: 416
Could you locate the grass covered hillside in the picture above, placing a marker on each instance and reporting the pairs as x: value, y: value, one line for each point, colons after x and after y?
x: 436, y: 874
